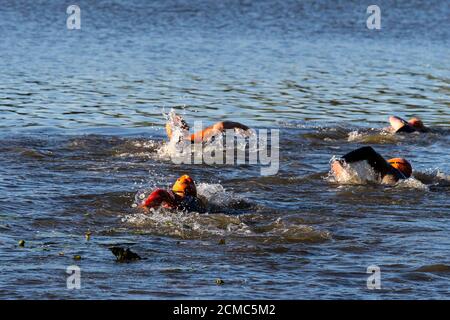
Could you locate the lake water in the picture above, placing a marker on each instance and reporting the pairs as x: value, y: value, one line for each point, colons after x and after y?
x: 82, y: 125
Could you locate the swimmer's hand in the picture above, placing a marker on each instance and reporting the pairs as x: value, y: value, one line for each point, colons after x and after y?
x: 337, y: 168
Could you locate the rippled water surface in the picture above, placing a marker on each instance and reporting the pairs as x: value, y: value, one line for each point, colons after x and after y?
x: 82, y: 129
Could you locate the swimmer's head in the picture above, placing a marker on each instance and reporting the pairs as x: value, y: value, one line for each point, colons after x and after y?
x: 402, y: 165
x: 416, y: 123
x: 185, y: 186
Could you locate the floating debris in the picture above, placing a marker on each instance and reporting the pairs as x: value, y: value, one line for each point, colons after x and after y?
x: 22, y: 243
x: 61, y: 254
x: 222, y: 241
x: 123, y: 255
x: 220, y: 282
x: 77, y: 257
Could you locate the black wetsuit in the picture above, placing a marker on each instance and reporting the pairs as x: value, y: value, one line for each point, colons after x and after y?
x: 189, y: 203
x: 375, y: 160
x: 406, y: 129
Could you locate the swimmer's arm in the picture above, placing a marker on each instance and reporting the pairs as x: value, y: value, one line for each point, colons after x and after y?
x: 400, y: 125
x: 216, y: 129
x: 376, y: 161
x: 157, y: 197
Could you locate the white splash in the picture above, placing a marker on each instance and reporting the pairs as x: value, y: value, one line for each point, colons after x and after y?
x: 179, y: 140
x: 412, y: 183
x: 356, y: 173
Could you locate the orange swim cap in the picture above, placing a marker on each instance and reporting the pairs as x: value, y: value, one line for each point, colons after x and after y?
x: 402, y: 165
x: 185, y: 186
x: 416, y: 123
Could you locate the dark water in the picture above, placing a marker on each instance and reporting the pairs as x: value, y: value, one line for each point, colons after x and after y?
x: 81, y: 126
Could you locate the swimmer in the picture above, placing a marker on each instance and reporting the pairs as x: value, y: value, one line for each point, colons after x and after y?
x: 412, y: 125
x: 388, y: 171
x: 183, y: 196
x: 204, y: 135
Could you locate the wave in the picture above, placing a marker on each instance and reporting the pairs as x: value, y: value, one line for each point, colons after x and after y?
x: 385, y: 136
x: 434, y: 268
x: 138, y: 149
x: 435, y: 179
x: 250, y: 226
x: 349, y: 132
x: 373, y: 136
x: 228, y: 215
x: 412, y: 183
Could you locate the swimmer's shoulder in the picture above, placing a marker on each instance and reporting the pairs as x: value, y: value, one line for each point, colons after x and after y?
x: 392, y: 177
x: 190, y: 203
x: 389, y: 179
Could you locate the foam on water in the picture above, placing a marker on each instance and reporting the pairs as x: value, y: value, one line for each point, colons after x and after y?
x: 373, y: 136
x: 192, y: 225
x: 412, y: 183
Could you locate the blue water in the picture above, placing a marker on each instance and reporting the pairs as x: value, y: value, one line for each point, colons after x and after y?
x: 81, y: 126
